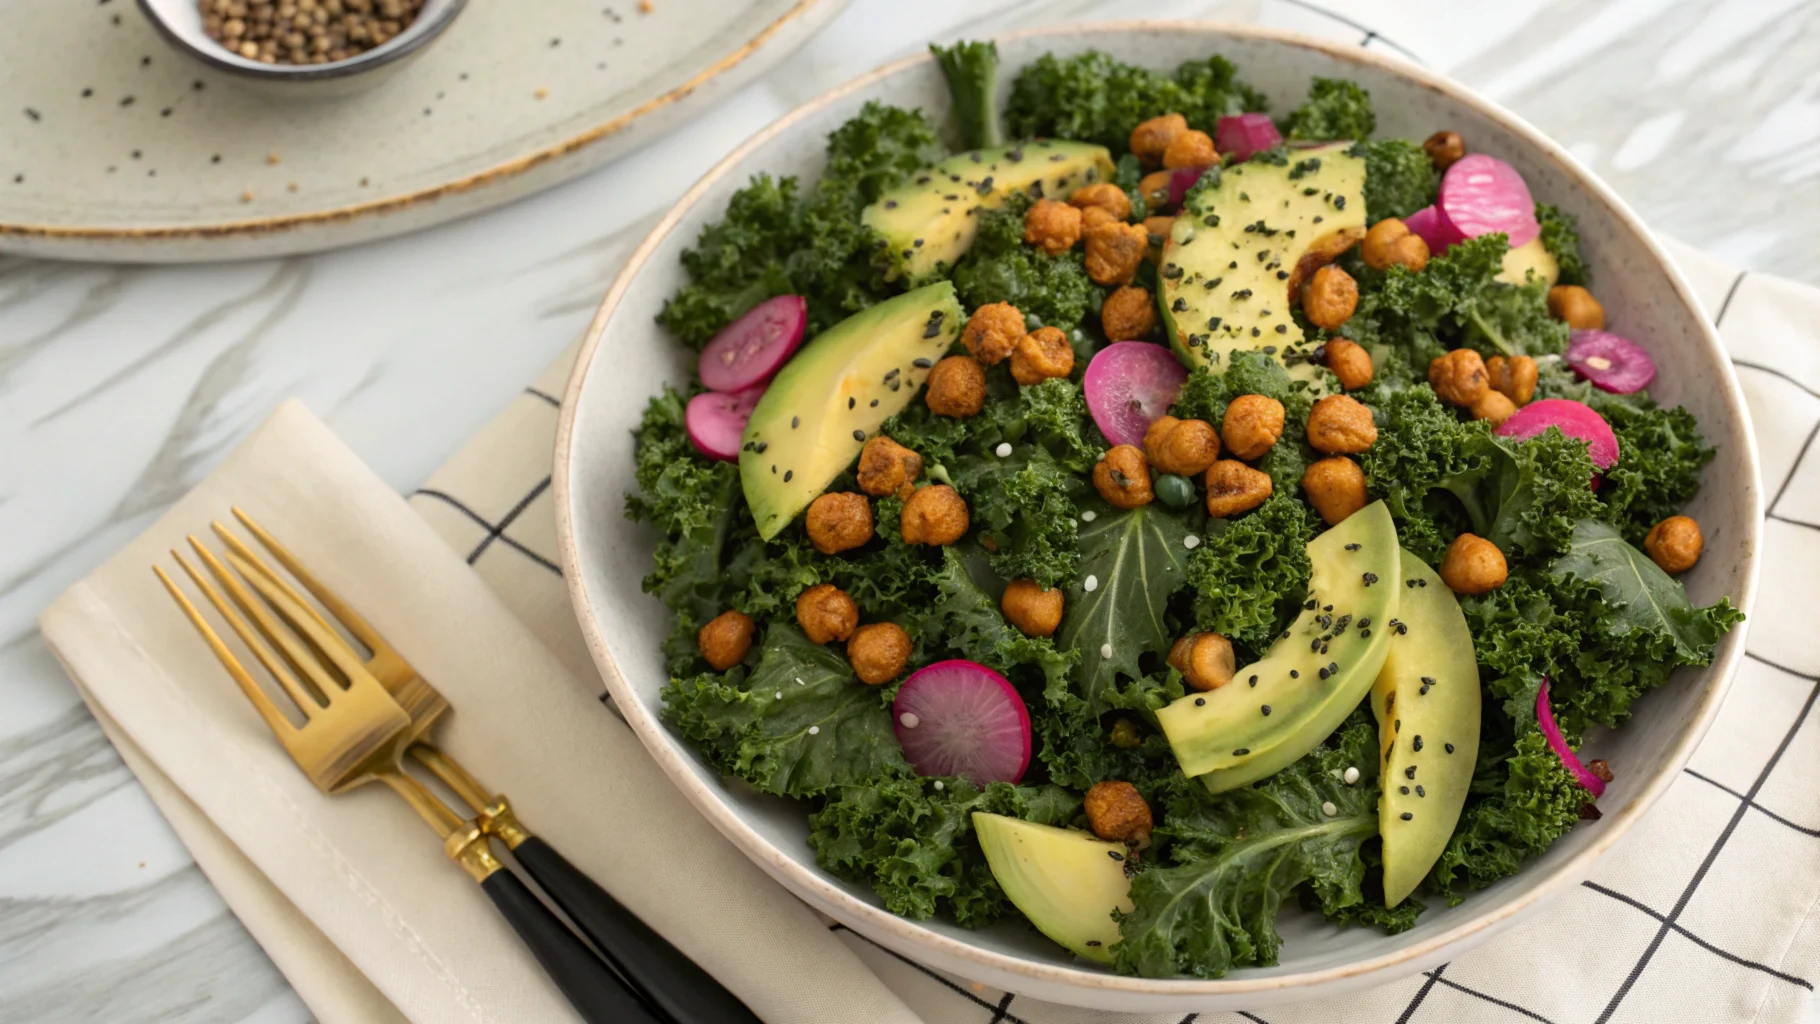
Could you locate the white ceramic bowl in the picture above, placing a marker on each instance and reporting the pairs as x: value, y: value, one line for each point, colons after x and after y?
x: 626, y: 358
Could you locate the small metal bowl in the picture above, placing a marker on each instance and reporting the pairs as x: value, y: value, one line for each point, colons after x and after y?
x: 180, y: 22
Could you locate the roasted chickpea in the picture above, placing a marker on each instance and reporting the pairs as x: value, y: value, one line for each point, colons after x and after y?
x: 1349, y: 361
x: 1251, y: 426
x: 957, y: 387
x: 1190, y: 149
x: 1330, y: 298
x: 1459, y: 377
x: 1157, y: 228
x: 993, y: 331
x: 1053, y: 226
x: 1114, y: 252
x: 1577, y: 307
x: 1185, y: 447
x: 1233, y: 488
x: 1042, y: 354
x: 1122, y: 476
x: 886, y: 467
x: 1494, y: 407
x: 1150, y: 139
x: 825, y: 613
x: 838, y: 521
x: 1033, y: 610
x: 1341, y: 425
x: 1514, y: 377
x: 1335, y: 487
x: 1117, y: 813
x: 1128, y: 314
x: 1205, y: 660
x: 934, y: 515
x: 878, y: 651
x: 1473, y: 565
x: 1390, y: 243
x: 725, y: 639
x: 1154, y: 187
x: 1444, y: 149
x: 1106, y: 196
x: 1325, y: 250
x: 1674, y: 544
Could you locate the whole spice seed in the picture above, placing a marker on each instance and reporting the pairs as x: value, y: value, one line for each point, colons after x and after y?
x: 305, y: 31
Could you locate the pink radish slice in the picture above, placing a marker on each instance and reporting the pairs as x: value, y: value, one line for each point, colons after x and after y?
x: 1558, y: 743
x: 1613, y: 363
x: 1575, y: 420
x: 1237, y: 136
x: 749, y: 350
x: 1427, y: 223
x: 1128, y: 385
x: 1180, y: 181
x: 1481, y: 194
x: 715, y: 421
x: 961, y: 718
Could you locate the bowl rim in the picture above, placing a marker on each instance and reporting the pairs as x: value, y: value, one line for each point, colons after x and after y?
x: 418, y: 34
x: 914, y: 935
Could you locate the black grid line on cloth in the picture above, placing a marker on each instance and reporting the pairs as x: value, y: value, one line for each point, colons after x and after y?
x: 1800, y: 457
x: 1767, y: 813
x: 1370, y: 33
x: 546, y: 396
x: 1493, y: 1000
x: 1252, y: 1017
x: 517, y: 510
x: 1726, y: 303
x: 456, y: 503
x: 1421, y: 994
x: 1773, y: 372
x: 1004, y: 1008
x: 1005, y: 1014
x: 1682, y: 931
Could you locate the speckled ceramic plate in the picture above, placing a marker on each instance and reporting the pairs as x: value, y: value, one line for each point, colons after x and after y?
x: 113, y: 146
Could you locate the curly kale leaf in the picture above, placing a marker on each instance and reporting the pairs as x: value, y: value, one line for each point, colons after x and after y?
x: 999, y: 267
x: 1337, y: 108
x: 1092, y: 97
x: 971, y: 69
x: 1561, y: 237
x: 1641, y: 597
x: 1249, y: 577
x: 1399, y: 178
x: 779, y: 238
x: 1206, y: 395
x: 962, y: 620
x: 914, y: 844
x: 1523, y: 799
x: 1137, y: 562
x: 1660, y: 455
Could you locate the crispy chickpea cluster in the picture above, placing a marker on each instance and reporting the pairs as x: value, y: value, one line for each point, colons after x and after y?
x: 1185, y: 447
x: 1459, y: 377
x: 1040, y: 355
x: 1128, y: 314
x: 1341, y: 425
x: 838, y: 521
x: 993, y: 331
x: 1390, y: 243
x: 934, y: 515
x: 825, y: 612
x: 1330, y: 298
x: 957, y: 387
x: 1105, y: 196
x: 1493, y: 407
x: 1473, y: 565
x: 1156, y: 229
x: 1514, y: 378
x: 1349, y: 361
x: 1234, y: 488
x: 1444, y: 149
x: 878, y: 651
x: 1033, y: 610
x: 886, y: 467
x: 725, y: 639
x: 1324, y: 251
x: 1191, y: 148
x: 1154, y: 187
x: 1122, y: 476
x: 1205, y: 660
x: 1116, y: 812
x: 1251, y: 426
x: 1675, y: 544
x: 1151, y: 139
x: 1114, y: 251
x: 1053, y: 226
x: 1335, y: 487
x: 1576, y: 307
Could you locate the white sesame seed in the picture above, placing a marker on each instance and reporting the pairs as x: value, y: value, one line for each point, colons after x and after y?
x: 1003, y: 449
x: 814, y: 729
x: 1089, y: 516
x: 1091, y: 583
x: 939, y: 786
x: 1105, y: 650
x: 780, y: 695
x: 909, y: 719
x: 1351, y: 776
x: 799, y: 680
x: 1329, y: 809
x: 1191, y: 542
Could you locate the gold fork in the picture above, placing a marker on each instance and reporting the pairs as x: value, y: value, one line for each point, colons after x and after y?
x: 354, y: 732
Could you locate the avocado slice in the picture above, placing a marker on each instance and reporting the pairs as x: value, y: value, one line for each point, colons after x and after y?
x: 1531, y: 255
x: 1312, y: 677
x: 1244, y: 244
x: 1428, y: 691
x: 832, y: 395
x: 1065, y: 881
x: 929, y: 221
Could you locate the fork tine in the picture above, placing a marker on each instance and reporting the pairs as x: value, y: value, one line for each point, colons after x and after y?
x: 248, y: 555
x: 269, y: 635
x: 309, y: 626
x: 274, y: 719
x: 348, y: 617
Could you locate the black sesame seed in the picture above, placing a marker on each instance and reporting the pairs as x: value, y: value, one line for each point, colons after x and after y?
x: 859, y: 435
x: 1403, y: 790
x: 1408, y: 816
x: 1417, y: 745
x: 875, y: 403
x: 1200, y: 702
x: 1420, y: 791
x: 761, y: 446
x: 1293, y: 674
x: 1323, y: 673
x: 922, y: 362
x: 1115, y: 855
x: 851, y: 402
x: 1309, y: 606
x: 1370, y: 578
x: 788, y: 473
x: 1422, y: 582
x: 890, y: 204
x: 1409, y: 772
x: 1449, y: 748
x: 1093, y: 942
x: 1254, y: 680
x: 795, y: 421
x: 1241, y: 752
x: 1266, y: 710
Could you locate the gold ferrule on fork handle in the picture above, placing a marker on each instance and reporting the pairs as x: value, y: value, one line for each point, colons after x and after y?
x: 496, y: 819
x: 467, y: 846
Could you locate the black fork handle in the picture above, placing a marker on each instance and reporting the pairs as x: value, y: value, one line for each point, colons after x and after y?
x: 591, y: 986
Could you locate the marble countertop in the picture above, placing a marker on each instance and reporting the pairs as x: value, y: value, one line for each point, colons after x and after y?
x: 121, y: 386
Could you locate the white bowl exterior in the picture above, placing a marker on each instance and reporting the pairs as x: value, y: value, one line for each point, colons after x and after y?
x: 627, y: 356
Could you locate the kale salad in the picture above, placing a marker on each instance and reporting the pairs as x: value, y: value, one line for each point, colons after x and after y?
x: 1133, y: 509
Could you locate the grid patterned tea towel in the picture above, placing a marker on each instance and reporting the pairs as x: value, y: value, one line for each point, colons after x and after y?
x: 1705, y: 914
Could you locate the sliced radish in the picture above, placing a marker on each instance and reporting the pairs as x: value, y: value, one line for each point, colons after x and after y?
x: 1545, y: 715
x: 1575, y: 420
x: 749, y: 350
x: 1128, y: 385
x: 1427, y: 223
x: 1613, y: 363
x: 715, y: 421
x: 961, y: 718
x: 1237, y: 136
x: 1180, y: 181
x: 1481, y: 194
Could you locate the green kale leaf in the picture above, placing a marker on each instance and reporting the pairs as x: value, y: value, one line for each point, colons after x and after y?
x: 1092, y: 97
x: 999, y: 267
x: 1660, y: 455
x: 1523, y: 799
x: 1399, y: 178
x: 1337, y: 108
x: 1641, y: 597
x: 1561, y: 237
x: 1206, y: 395
x: 972, y: 73
x: 1249, y: 578
x: 1135, y: 561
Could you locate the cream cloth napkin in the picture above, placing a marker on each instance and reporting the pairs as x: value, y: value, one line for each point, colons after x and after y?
x: 352, y: 895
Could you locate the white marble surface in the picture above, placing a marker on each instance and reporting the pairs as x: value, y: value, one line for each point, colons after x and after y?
x: 120, y: 386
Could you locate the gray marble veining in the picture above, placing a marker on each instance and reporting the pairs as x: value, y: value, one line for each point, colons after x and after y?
x: 120, y: 386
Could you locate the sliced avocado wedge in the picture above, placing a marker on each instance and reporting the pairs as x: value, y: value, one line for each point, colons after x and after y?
x: 1312, y: 678
x: 1065, y: 881
x: 930, y: 220
x: 832, y: 395
x: 1246, y: 242
x: 1532, y: 256
x: 1426, y: 694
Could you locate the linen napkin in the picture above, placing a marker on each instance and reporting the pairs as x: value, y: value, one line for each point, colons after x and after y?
x: 1704, y: 914
x: 352, y: 896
